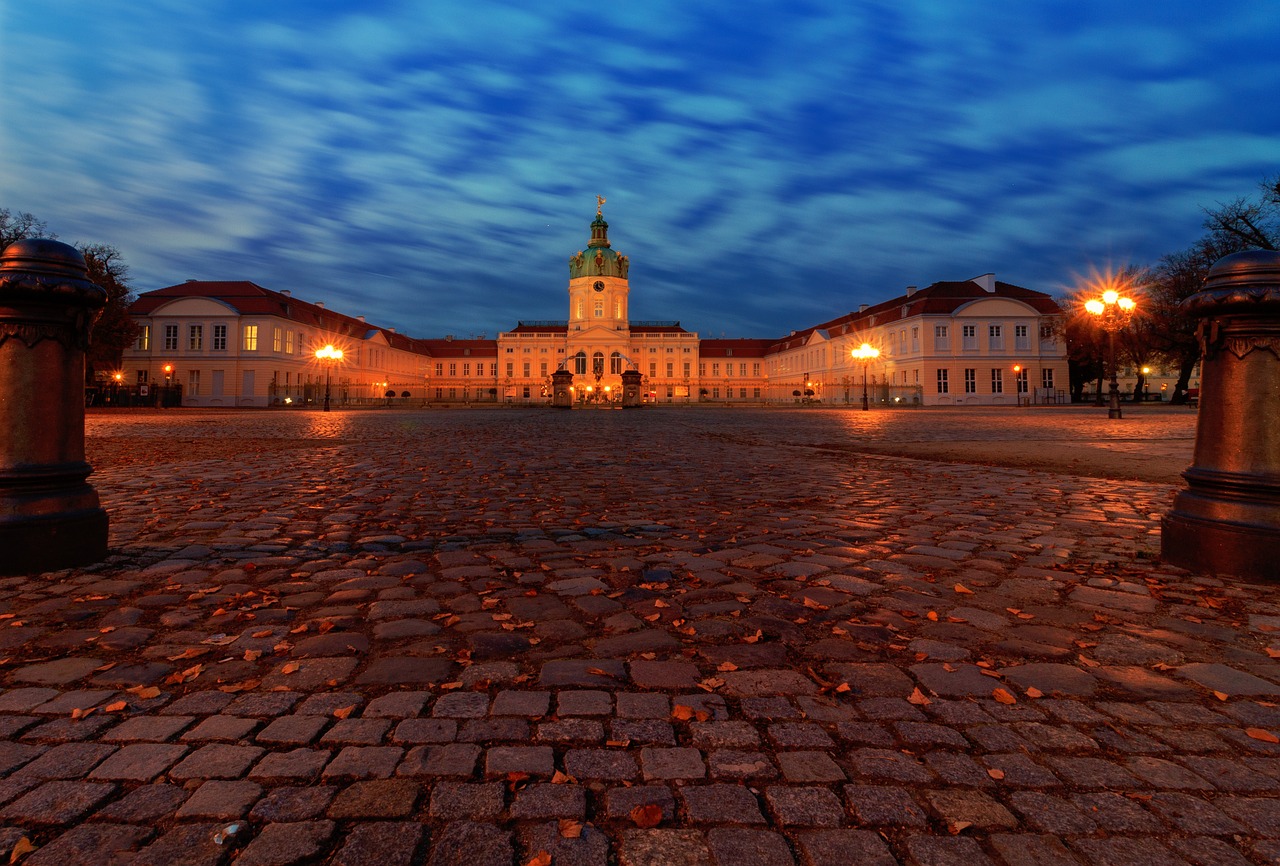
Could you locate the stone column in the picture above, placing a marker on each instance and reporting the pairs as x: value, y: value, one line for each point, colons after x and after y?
x: 1227, y: 520
x: 631, y: 389
x: 561, y: 396
x: 50, y: 517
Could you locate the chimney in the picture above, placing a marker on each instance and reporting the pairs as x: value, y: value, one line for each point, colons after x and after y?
x: 361, y: 318
x: 862, y: 308
x: 911, y: 290
x: 320, y: 304
x: 987, y: 281
x: 287, y: 293
x: 191, y: 281
x: 392, y: 330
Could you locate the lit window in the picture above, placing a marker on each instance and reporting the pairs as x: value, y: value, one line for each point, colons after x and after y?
x: 251, y: 338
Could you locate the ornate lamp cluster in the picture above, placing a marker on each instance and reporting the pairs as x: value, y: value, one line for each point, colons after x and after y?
x: 1112, y: 311
x: 328, y: 355
x: 866, y: 353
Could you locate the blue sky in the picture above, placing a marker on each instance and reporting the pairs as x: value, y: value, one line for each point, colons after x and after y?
x: 767, y: 165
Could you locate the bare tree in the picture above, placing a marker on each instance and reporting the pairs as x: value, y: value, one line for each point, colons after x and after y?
x: 16, y: 226
x: 114, y: 329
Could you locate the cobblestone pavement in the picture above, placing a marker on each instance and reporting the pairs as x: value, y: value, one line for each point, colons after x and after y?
x: 654, y: 637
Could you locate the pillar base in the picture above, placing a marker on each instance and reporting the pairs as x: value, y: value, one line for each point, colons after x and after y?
x: 1220, y: 547
x: 35, y: 544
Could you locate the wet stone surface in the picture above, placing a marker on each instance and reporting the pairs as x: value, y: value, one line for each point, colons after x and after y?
x: 392, y: 638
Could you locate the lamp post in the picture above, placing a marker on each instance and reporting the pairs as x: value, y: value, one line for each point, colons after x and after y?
x: 866, y: 353
x: 328, y: 355
x: 1113, y: 312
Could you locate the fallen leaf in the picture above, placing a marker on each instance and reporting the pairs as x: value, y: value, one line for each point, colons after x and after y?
x: 232, y: 688
x: 1033, y: 692
x: 752, y: 638
x: 1222, y: 696
x: 115, y: 707
x: 559, y: 778
x: 932, y: 616
x: 954, y: 827
x: 653, y: 617
x: 649, y: 815
x: 542, y: 858
x: 1003, y: 696
x: 918, y: 698
x: 344, y: 712
x: 21, y: 849
x: 1087, y: 662
x: 1274, y: 653
x: 144, y: 692
x: 290, y: 667
x: 996, y: 774
x: 252, y: 655
x: 456, y: 684
x: 570, y: 829
x: 726, y: 666
x: 808, y: 602
x: 681, y: 713
x: 78, y: 713
x: 599, y: 672
x: 261, y: 634
x: 962, y: 589
x: 1261, y: 734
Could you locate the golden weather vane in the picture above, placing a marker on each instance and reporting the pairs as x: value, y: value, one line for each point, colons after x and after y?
x: 599, y: 205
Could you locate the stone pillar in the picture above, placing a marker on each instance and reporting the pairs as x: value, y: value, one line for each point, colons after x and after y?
x: 1227, y: 520
x: 631, y: 389
x: 561, y: 396
x: 50, y: 517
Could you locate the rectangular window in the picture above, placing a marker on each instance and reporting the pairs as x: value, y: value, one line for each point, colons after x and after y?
x: 686, y: 369
x: 526, y: 369
x: 996, y: 337
x: 171, y: 338
x: 288, y: 342
x: 653, y: 370
x: 142, y: 377
x: 251, y: 338
x: 542, y: 369
x: 1021, y: 378
x: 997, y: 380
x: 969, y: 337
x: 193, y: 383
x: 755, y: 369
x: 439, y: 369
x: 670, y: 369
x: 1046, y: 378
x: 943, y: 386
x: 142, y: 342
x: 755, y: 392
x: 453, y: 369
x: 970, y: 380
x: 1046, y: 332
x: 195, y: 337
x: 715, y: 393
x: 742, y: 369
x: 915, y: 339
x: 715, y: 369
x: 941, y: 340
x: 1021, y: 339
x: 219, y: 338
x: 702, y: 370
x: 277, y: 339
x: 511, y: 369
x: 466, y: 369
x: 742, y: 392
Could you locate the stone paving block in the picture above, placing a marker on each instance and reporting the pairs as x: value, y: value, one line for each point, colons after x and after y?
x: 457, y: 760
x: 456, y: 801
x: 826, y: 847
x: 1024, y: 849
x: 293, y: 803
x: 295, y: 765
x: 406, y: 670
x: 494, y: 731
x: 583, y: 702
x: 461, y: 705
x: 533, y: 760
x: 367, y: 732
x: 545, y: 800
x: 664, y: 674
x: 216, y: 761
x: 150, y: 729
x: 69, y: 702
x: 809, y: 767
x: 873, y: 679
x: 97, y: 844
x: 292, y: 730
x: 414, y: 731
x: 220, y: 801
x: 619, y: 802
x: 67, y: 761
x: 775, y: 681
x: 599, y: 764
x: 381, y: 843
x: 287, y: 844
x: 1191, y: 810
x: 147, y: 804
x: 673, y: 763
x: 642, y: 705
x: 204, y: 703
x: 465, y: 843
x: 59, y: 672
x: 57, y: 803
x: 184, y: 845
x: 397, y: 705
x: 571, y: 731
x: 324, y: 703
x: 363, y: 762
x: 1131, y: 852
x: 138, y: 762
x: 589, y: 848
x: 721, y: 735
x: 1116, y: 813
x: 796, y: 806
x: 379, y: 798
x: 578, y: 672
x: 642, y: 732
x: 746, y: 845
x: 721, y: 803
x: 943, y: 851
x: 884, y: 805
x: 1093, y: 773
x: 266, y: 705
x: 1051, y: 814
x: 1261, y: 815
x: 888, y: 764
x: 663, y: 847
x: 227, y: 729
x: 525, y: 704
x: 22, y: 700
x: 68, y: 730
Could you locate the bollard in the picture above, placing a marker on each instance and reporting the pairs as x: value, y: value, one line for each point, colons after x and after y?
x: 1227, y: 520
x: 50, y: 517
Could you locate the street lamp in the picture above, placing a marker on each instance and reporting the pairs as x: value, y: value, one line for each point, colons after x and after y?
x: 866, y: 353
x: 1113, y: 312
x: 328, y: 355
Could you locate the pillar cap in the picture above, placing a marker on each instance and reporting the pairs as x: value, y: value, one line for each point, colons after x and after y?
x: 1242, y: 282
x: 43, y: 269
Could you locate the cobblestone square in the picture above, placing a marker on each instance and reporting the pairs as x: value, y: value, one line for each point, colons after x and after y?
x: 472, y: 636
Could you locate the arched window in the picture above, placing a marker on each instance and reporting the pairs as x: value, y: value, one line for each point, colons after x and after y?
x: 580, y: 363
x: 597, y: 362
x: 615, y: 363
x: 599, y: 309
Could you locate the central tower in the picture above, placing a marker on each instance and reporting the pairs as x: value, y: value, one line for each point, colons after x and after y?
x: 598, y: 282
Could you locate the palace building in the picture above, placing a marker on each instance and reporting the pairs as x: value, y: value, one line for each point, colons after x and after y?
x: 976, y: 341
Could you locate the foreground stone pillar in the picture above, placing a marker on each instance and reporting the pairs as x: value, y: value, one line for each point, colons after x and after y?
x: 50, y: 517
x: 560, y: 394
x: 1227, y: 520
x: 631, y: 389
